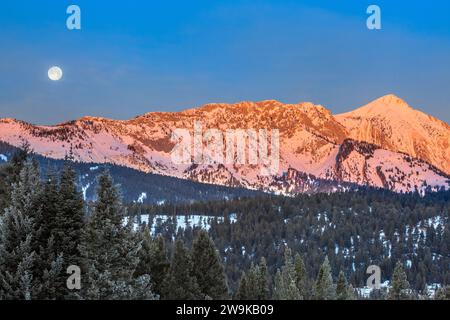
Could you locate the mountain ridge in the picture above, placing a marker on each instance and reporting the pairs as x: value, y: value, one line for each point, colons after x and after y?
x: 311, y: 143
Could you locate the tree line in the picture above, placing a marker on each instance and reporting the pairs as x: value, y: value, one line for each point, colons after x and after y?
x: 354, y: 230
x: 46, y: 228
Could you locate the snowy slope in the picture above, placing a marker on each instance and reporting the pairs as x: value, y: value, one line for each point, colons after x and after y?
x: 314, y: 145
x: 392, y: 124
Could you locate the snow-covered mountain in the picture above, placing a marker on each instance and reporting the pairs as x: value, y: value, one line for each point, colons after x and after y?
x: 392, y: 124
x: 386, y: 144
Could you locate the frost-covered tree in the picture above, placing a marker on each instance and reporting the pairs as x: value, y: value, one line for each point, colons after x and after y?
x: 27, y: 270
x: 64, y: 217
x: 110, y: 251
x: 10, y: 174
x: 69, y: 221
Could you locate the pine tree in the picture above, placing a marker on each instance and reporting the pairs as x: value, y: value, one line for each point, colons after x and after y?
x: 50, y: 208
x: 324, y: 287
x: 208, y: 269
x: 278, y: 286
x: 243, y: 292
x: 26, y: 271
x: 180, y: 282
x: 344, y: 291
x: 44, y: 240
x: 10, y: 175
x: 16, y: 255
x: 145, y: 253
x: 160, y: 264
x: 153, y: 260
x: 254, y: 284
x: 341, y: 287
x: 67, y: 223
x: 301, y: 276
x: 110, y: 251
x: 286, y: 280
x: 263, y: 281
x: 400, y: 284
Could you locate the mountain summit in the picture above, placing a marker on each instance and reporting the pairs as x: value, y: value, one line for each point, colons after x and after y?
x: 384, y: 144
x: 392, y: 124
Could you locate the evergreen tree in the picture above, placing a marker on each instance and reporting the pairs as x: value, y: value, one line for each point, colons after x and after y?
x: 208, y: 269
x: 243, y: 290
x: 180, y: 282
x: 145, y: 253
x: 10, y: 175
x: 153, y: 260
x: 44, y: 240
x: 344, y: 291
x: 254, y: 284
x: 324, y: 287
x: 26, y: 272
x: 160, y: 263
x: 66, y: 222
x: 302, y: 278
x: 110, y: 251
x: 263, y: 281
x: 278, y: 286
x: 285, y: 287
x: 341, y: 287
x: 50, y: 208
x: 69, y: 221
x: 400, y: 284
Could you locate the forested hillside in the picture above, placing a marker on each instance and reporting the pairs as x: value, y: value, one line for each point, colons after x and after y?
x: 354, y: 230
x: 307, y: 247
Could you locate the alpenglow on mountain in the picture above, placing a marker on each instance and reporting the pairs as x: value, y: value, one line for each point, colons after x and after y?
x: 385, y: 144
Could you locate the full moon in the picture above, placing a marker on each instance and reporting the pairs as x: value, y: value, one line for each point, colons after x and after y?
x: 55, y: 73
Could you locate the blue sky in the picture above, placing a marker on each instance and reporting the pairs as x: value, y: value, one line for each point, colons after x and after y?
x: 136, y: 56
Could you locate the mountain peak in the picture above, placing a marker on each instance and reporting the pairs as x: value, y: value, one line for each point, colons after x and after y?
x: 393, y: 101
x: 385, y: 106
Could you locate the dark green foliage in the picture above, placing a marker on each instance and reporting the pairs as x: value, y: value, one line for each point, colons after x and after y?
x: 41, y: 230
x: 208, y: 269
x: 285, y: 287
x: 400, y: 289
x: 355, y: 230
x: 10, y: 174
x: 324, y: 288
x: 344, y: 291
x: 110, y: 251
x: 180, y: 282
x: 66, y: 225
x: 69, y: 220
x: 301, y: 277
x: 254, y: 284
x: 153, y: 260
x: 28, y: 269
